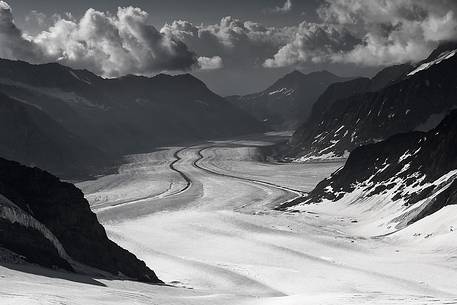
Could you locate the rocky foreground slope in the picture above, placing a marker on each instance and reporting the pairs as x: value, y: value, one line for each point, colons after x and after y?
x: 49, y: 223
x: 416, y: 100
x: 400, y: 180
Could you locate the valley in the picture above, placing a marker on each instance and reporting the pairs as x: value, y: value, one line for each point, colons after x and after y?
x: 202, y: 217
x: 259, y: 153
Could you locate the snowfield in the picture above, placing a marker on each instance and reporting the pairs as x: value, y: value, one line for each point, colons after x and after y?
x: 202, y: 218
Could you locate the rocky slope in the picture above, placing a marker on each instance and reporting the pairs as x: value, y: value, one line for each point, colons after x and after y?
x: 288, y: 101
x: 418, y: 100
x: 49, y: 223
x: 360, y: 85
x: 31, y: 137
x: 401, y: 180
x: 124, y: 115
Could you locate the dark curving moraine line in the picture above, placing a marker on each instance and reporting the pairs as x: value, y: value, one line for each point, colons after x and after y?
x: 196, y: 164
x: 172, y: 166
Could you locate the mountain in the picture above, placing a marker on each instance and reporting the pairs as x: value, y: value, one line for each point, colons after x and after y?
x: 399, y: 181
x: 49, y: 223
x: 417, y: 100
x: 31, y: 137
x: 289, y: 100
x: 125, y: 115
x: 355, y: 86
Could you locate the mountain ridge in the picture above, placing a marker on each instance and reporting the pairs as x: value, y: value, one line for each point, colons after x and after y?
x: 288, y: 101
x: 32, y: 137
x: 370, y: 116
x: 409, y: 176
x: 127, y: 115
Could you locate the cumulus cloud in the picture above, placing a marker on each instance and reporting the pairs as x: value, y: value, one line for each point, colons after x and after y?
x: 360, y: 32
x: 108, y: 44
x: 314, y: 43
x: 12, y: 44
x: 35, y: 22
x: 371, y: 33
x: 238, y: 43
x: 356, y: 32
x: 287, y: 6
x: 36, y: 19
x: 210, y: 63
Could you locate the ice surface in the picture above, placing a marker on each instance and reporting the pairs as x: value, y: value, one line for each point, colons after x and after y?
x: 219, y: 242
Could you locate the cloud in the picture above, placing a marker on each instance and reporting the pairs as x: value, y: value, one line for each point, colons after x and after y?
x: 287, y: 6
x: 370, y: 33
x: 365, y: 33
x: 12, y: 44
x: 313, y: 43
x: 210, y: 63
x: 362, y: 33
x: 35, y: 18
x: 238, y: 43
x: 35, y: 22
x: 107, y: 44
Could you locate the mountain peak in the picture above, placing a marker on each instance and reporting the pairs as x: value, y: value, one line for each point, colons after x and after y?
x: 187, y: 76
x: 442, y: 47
x: 163, y: 80
x: 389, y: 76
x: 295, y: 73
x: 289, y: 100
x: 299, y: 74
x: 322, y: 72
x: 185, y: 80
x: 297, y: 79
x: 184, y: 76
x: 293, y: 76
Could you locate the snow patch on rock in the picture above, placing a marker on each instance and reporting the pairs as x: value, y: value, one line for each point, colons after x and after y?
x: 443, y: 56
x: 11, y: 212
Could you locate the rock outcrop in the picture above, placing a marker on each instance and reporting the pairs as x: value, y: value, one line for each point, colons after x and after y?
x: 415, y: 173
x: 50, y: 223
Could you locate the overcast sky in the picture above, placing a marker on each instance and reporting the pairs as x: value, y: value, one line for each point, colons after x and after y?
x: 236, y: 46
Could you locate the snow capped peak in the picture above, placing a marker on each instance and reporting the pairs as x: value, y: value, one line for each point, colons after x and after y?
x: 443, y: 56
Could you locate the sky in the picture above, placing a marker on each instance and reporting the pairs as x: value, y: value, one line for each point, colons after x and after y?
x: 235, y: 47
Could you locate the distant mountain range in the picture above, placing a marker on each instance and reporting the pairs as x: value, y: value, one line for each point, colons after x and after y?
x: 49, y: 223
x: 288, y: 102
x: 72, y: 119
x: 400, y: 180
x: 399, y: 99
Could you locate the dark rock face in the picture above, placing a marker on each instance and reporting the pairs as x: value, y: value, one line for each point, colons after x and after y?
x: 388, y: 76
x: 418, y: 100
x: 124, y: 115
x: 31, y: 244
x: 342, y: 90
x: 443, y: 47
x: 336, y: 92
x: 407, y: 169
x: 288, y: 101
x: 62, y: 209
